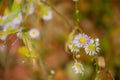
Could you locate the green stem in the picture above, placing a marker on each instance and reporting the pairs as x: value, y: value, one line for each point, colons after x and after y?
x: 43, y: 68
x: 74, y: 57
x: 28, y: 44
x: 77, y: 18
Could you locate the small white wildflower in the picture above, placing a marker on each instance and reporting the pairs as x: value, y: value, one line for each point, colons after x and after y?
x: 81, y: 40
x: 47, y: 16
x: 2, y: 18
x: 73, y: 48
x: 92, y: 47
x: 17, y: 20
x: 29, y: 8
x: 9, y: 26
x: 34, y: 33
x: 78, y: 68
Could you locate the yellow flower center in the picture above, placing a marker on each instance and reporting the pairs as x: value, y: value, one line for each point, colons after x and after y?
x: 82, y: 40
x: 78, y: 66
x: 74, y: 47
x: 91, y: 47
x: 33, y: 32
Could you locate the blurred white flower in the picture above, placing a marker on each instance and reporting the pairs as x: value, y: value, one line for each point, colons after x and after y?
x: 34, y: 33
x: 9, y: 26
x: 47, y: 16
x: 17, y: 20
x: 81, y: 40
x: 73, y: 48
x: 92, y: 47
x: 78, y: 68
x: 29, y: 8
x: 2, y: 18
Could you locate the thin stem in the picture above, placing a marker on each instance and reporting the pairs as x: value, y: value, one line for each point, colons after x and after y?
x: 111, y: 76
x: 43, y: 68
x: 64, y: 19
x: 74, y: 57
x: 33, y: 55
x: 77, y: 18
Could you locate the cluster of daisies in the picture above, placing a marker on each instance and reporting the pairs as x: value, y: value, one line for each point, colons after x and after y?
x: 90, y: 45
x: 81, y: 40
x: 15, y: 23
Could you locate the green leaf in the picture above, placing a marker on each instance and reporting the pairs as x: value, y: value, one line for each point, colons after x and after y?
x: 15, y: 6
x: 8, y: 32
x: 24, y: 51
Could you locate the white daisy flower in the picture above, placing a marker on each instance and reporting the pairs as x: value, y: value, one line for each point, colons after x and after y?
x: 9, y: 26
x: 78, y: 68
x: 29, y: 8
x: 2, y: 18
x: 92, y: 47
x: 73, y: 48
x: 81, y: 40
x: 34, y: 33
x: 47, y: 16
x: 17, y: 20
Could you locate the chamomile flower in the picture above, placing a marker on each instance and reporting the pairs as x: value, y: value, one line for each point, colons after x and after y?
x: 9, y: 26
x: 29, y: 8
x: 18, y: 19
x: 2, y: 18
x: 81, y: 40
x: 92, y: 47
x: 78, y: 68
x: 34, y: 33
x: 73, y: 48
x: 47, y: 16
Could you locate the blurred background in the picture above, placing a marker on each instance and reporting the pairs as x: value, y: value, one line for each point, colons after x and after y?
x: 98, y: 18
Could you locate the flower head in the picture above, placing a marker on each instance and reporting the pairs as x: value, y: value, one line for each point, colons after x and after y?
x: 73, y: 48
x: 78, y: 68
x: 29, y: 8
x: 92, y: 47
x: 2, y: 18
x: 47, y: 16
x: 34, y: 33
x: 17, y: 20
x: 81, y: 40
x: 9, y: 26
